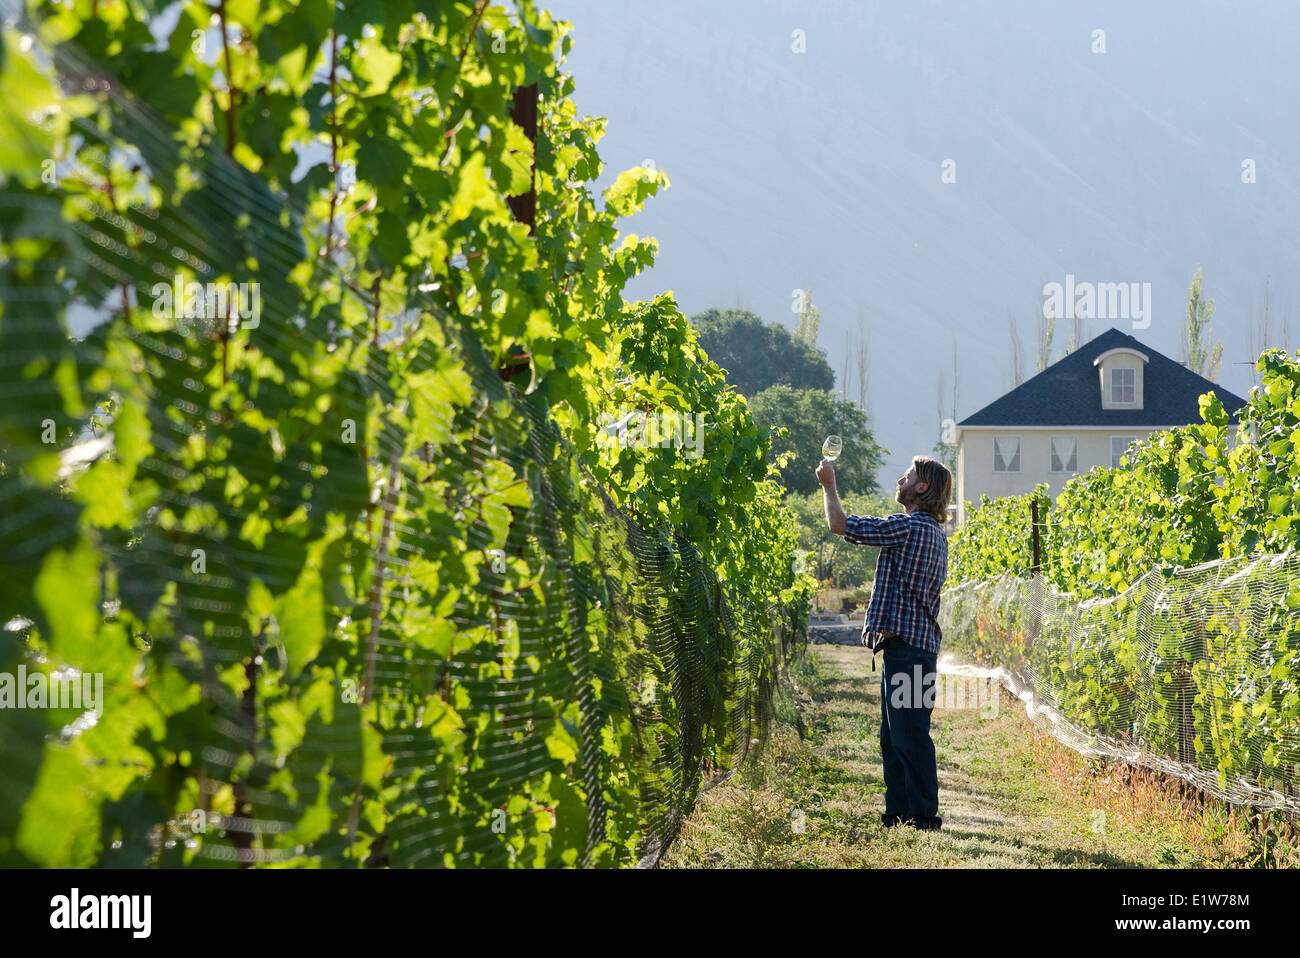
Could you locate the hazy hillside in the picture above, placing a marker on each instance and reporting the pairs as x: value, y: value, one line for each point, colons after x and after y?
x: 821, y: 170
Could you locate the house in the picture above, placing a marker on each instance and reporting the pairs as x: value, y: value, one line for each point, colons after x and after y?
x: 1082, y: 411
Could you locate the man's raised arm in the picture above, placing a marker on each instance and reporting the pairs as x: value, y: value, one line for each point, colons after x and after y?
x: 859, y: 530
x: 835, y: 518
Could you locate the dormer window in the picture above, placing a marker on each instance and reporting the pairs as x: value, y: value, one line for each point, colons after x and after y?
x: 1123, y: 385
x: 1121, y: 371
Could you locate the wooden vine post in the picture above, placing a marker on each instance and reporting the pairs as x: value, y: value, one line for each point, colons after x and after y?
x: 1037, y: 565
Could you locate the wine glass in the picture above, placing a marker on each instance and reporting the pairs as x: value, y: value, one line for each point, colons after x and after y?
x: 832, y: 447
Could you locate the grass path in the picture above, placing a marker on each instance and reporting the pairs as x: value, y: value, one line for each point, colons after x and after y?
x: 1009, y: 794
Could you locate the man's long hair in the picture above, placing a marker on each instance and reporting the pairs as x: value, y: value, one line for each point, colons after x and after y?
x: 938, y: 482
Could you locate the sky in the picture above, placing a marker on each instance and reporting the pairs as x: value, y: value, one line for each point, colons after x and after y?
x: 927, y: 168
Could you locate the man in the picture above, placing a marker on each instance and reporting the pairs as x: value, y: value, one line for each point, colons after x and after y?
x: 903, y: 617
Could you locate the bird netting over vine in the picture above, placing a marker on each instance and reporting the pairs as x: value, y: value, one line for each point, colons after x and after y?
x: 1195, y: 672
x: 291, y: 570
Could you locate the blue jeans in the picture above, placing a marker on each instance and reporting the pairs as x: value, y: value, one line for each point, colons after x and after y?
x: 908, y: 686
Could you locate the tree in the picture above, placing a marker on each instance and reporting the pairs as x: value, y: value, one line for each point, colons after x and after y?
x: 1046, y: 331
x: 942, y: 451
x: 844, y: 368
x: 857, y: 360
x: 863, y: 356
x: 810, y: 319
x: 809, y: 416
x: 1261, y: 328
x: 1017, y: 354
x: 1202, y: 358
x: 840, y: 564
x: 1076, y: 331
x: 757, y: 354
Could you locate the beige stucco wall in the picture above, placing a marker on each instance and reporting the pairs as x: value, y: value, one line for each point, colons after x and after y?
x: 975, y: 475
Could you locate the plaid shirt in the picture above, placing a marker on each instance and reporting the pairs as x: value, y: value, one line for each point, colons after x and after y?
x: 910, y: 571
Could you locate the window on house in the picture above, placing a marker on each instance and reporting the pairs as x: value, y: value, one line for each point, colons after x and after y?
x: 1123, y: 386
x: 1065, y: 454
x: 1006, y: 453
x: 1118, y: 445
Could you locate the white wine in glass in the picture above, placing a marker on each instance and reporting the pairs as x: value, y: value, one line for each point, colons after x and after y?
x: 831, y: 448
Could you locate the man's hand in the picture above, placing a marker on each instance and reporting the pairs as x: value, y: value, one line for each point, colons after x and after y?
x: 826, y: 474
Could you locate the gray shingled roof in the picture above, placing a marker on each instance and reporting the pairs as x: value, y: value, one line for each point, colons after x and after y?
x: 1068, y: 393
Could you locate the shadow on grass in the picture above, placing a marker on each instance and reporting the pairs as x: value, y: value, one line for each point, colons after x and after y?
x: 1062, y: 856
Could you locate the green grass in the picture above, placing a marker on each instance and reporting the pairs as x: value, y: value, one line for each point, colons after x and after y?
x: 1010, y: 796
